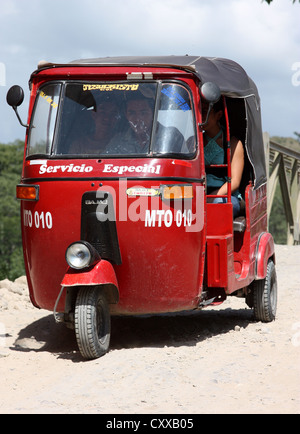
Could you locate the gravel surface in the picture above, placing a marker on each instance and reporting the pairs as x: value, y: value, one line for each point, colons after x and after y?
x: 214, y: 361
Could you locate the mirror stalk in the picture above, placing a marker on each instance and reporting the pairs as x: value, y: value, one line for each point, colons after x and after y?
x: 18, y: 116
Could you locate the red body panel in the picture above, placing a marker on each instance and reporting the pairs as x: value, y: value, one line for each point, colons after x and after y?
x: 265, y: 250
x: 102, y: 273
x: 219, y: 245
x: 157, y: 273
x: 235, y: 259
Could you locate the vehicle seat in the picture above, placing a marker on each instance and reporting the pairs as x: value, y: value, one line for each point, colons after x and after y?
x: 239, y: 224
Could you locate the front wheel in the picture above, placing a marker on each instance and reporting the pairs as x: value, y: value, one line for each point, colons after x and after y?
x: 92, y: 323
x: 264, y: 293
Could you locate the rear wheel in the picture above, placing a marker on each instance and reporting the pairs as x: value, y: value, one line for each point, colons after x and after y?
x: 92, y: 323
x: 264, y: 293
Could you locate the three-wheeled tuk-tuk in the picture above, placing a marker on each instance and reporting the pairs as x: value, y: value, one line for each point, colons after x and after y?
x: 115, y: 212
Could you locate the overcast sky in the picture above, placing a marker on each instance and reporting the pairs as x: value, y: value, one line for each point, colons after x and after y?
x: 264, y: 39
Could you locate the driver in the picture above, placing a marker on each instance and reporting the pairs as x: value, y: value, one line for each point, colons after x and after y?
x: 105, y: 116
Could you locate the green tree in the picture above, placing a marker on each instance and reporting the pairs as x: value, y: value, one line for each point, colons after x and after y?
x: 11, y: 254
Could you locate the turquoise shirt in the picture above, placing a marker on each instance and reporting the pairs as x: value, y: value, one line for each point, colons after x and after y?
x: 214, y: 154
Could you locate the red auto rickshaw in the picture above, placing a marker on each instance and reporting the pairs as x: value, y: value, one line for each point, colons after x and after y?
x: 116, y: 217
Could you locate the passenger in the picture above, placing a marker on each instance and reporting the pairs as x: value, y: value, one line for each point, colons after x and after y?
x: 105, y: 116
x: 215, y: 153
x: 139, y: 113
x: 135, y: 139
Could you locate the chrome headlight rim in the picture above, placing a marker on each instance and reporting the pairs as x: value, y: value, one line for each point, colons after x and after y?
x: 81, y: 255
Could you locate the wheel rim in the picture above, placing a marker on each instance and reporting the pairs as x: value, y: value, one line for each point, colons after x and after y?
x: 273, y: 292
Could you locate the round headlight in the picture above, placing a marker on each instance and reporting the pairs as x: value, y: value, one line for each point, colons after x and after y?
x: 79, y: 255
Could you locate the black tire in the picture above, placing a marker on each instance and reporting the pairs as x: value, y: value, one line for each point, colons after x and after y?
x: 265, y: 295
x: 92, y: 323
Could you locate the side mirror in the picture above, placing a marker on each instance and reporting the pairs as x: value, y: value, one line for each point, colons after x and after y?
x: 14, y: 98
x: 211, y: 93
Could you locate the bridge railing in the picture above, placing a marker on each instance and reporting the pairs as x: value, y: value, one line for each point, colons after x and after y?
x: 284, y: 165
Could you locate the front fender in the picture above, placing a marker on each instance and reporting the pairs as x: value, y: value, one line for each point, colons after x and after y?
x: 100, y: 274
x: 264, y: 251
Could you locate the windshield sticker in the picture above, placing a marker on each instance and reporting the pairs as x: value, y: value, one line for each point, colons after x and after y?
x: 48, y: 99
x: 176, y: 97
x: 110, y: 87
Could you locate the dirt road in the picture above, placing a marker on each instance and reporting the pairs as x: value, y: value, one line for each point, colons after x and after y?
x: 214, y: 361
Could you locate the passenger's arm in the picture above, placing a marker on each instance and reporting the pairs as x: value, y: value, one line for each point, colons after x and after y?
x: 237, y: 166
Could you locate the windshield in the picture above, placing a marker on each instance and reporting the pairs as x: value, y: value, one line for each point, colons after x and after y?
x: 43, y: 120
x: 115, y: 119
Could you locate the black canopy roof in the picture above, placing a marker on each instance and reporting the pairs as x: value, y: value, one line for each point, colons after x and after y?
x: 227, y: 74
x: 232, y: 79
